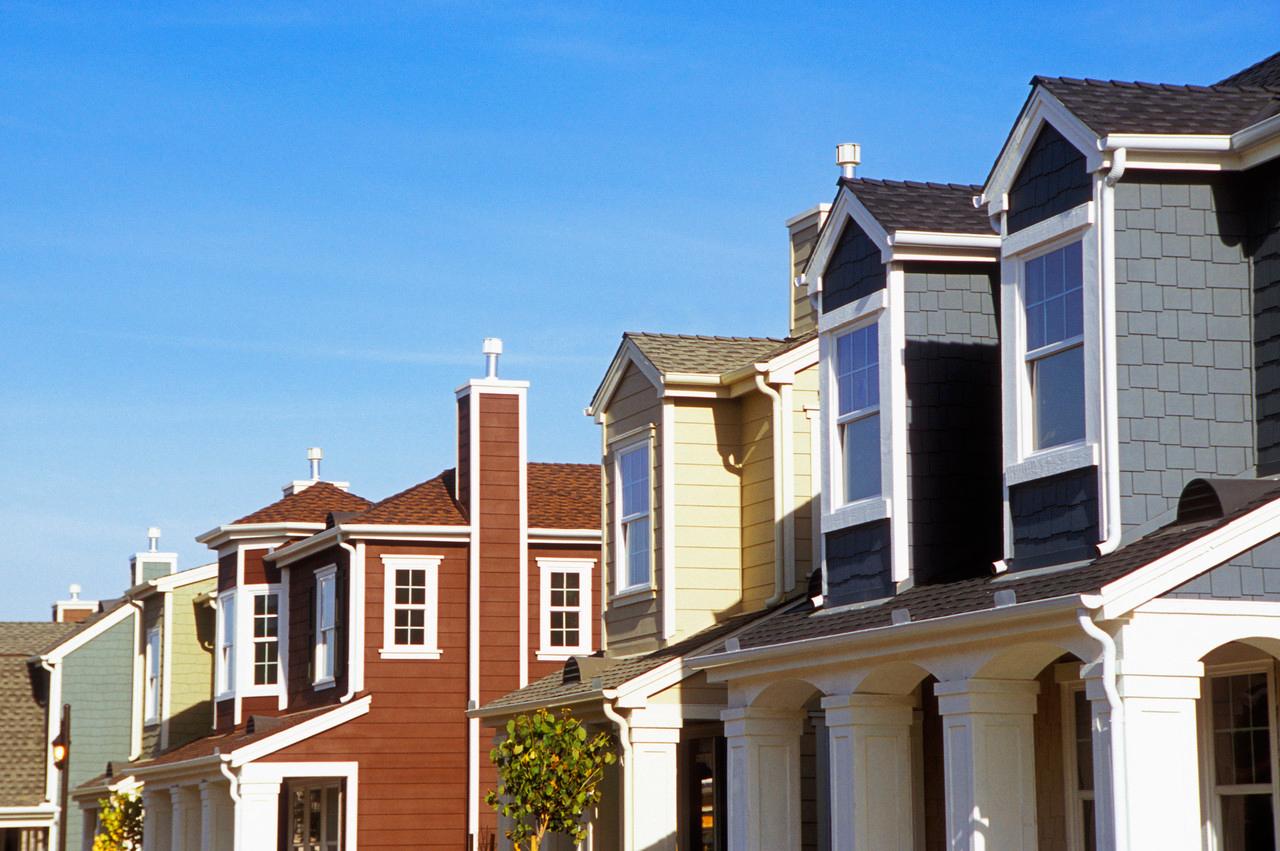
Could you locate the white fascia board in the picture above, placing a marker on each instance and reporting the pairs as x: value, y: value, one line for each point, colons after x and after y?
x: 947, y: 240
x: 300, y: 732
x: 1041, y: 108
x: 698, y: 379
x: 84, y: 636
x: 780, y: 370
x: 343, y: 531
x: 1168, y: 142
x: 221, y: 534
x: 513, y: 709
x: 628, y: 353
x: 1189, y: 561
x: 186, y: 577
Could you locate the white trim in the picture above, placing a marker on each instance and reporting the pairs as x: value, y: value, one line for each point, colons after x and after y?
x: 523, y: 496
x: 856, y: 513
x: 430, y: 564
x: 299, y: 550
x: 216, y: 537
x: 584, y: 568
x: 1053, y: 229
x: 281, y: 772
x: 854, y: 311
x: 282, y: 701
x: 621, y: 567
x: 1052, y: 461
x: 225, y: 681
x: 473, y: 615
x: 591, y: 536
x: 247, y: 602
x: 152, y: 693
x: 84, y: 636
x: 318, y: 681
x: 186, y: 577
x: 670, y: 587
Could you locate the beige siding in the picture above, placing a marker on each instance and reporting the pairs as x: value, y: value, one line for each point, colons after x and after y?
x: 804, y: 393
x: 708, y: 508
x: 633, y: 628
x: 758, y: 558
x: 803, y: 240
x: 191, y: 677
x: 693, y: 691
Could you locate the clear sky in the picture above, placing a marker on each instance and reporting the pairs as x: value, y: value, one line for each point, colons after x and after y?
x: 232, y: 231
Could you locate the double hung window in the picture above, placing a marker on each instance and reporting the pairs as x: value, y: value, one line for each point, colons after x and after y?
x: 858, y: 412
x: 1242, y: 780
x: 266, y: 638
x: 1053, y: 298
x: 226, y: 661
x: 633, y: 551
x: 152, y: 662
x: 1078, y: 736
x: 326, y: 625
x: 566, y: 606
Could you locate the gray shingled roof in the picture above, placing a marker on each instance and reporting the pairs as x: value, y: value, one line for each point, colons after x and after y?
x: 926, y: 602
x: 22, y: 745
x: 1110, y: 106
x: 1264, y: 73
x: 704, y: 354
x: 912, y: 205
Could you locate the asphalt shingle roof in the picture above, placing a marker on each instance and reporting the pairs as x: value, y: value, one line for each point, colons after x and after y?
x: 227, y: 742
x: 22, y: 745
x: 564, y: 496
x: 1264, y: 73
x: 312, y: 505
x: 705, y: 355
x: 1111, y: 106
x: 912, y: 205
x: 428, y: 503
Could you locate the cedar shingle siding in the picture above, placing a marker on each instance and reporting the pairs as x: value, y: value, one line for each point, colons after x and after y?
x: 1265, y: 248
x: 855, y: 269
x: 1055, y: 519
x: 859, y: 564
x: 1052, y: 180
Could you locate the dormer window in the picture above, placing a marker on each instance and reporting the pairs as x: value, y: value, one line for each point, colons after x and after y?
x: 858, y: 415
x: 1054, y: 301
x: 634, y: 566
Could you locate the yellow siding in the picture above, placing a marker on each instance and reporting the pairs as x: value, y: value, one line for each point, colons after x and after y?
x: 192, y: 664
x: 758, y: 557
x: 804, y: 393
x: 635, y: 404
x: 707, y: 494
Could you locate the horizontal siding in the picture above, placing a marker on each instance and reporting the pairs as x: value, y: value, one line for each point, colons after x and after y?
x: 804, y: 393
x: 191, y: 658
x: 757, y: 500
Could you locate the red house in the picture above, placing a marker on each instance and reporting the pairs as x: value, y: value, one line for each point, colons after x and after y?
x: 353, y: 637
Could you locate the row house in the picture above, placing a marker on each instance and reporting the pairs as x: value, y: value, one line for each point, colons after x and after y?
x: 1049, y: 608
x: 351, y: 637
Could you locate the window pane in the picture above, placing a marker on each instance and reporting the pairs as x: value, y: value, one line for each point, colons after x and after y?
x: 861, y: 439
x: 637, y: 535
x: 1241, y: 731
x: 1247, y: 823
x: 1084, y: 742
x: 857, y: 369
x: 634, y: 470
x: 1057, y: 386
x: 1053, y: 293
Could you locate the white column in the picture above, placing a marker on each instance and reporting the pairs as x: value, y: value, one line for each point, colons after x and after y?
x: 871, y: 770
x: 157, y: 824
x: 258, y: 815
x: 185, y: 819
x: 653, y: 794
x: 988, y: 738
x: 764, y: 778
x: 215, y: 828
x: 1161, y: 765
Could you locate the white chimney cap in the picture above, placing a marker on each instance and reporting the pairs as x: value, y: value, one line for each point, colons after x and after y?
x: 315, y: 453
x: 153, y: 532
x: 75, y: 590
x: 492, y: 346
x: 848, y: 154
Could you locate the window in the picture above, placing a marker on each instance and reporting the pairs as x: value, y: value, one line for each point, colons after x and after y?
x: 266, y: 638
x: 858, y: 411
x: 1054, y: 302
x: 565, y: 618
x: 1078, y: 759
x: 706, y: 794
x: 226, y: 643
x: 326, y: 625
x: 315, y: 817
x: 410, y: 602
x: 1241, y: 760
x: 152, y: 662
x: 634, y: 544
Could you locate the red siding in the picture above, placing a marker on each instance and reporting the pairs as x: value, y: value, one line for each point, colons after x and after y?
x: 464, y: 452
x: 541, y: 669
x: 302, y: 695
x: 226, y: 572
x: 257, y: 571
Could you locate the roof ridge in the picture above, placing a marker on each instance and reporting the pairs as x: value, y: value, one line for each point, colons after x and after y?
x: 912, y: 184
x: 1273, y: 57
x: 1040, y: 79
x: 564, y: 464
x: 703, y: 337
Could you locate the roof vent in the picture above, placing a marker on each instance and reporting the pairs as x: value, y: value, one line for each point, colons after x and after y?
x: 492, y: 349
x: 848, y: 157
x: 1006, y: 597
x: 315, y: 455
x: 900, y: 616
x: 1213, y: 499
x: 582, y: 669
x: 75, y: 591
x: 153, y: 539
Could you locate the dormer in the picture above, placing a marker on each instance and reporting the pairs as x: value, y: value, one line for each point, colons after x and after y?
x: 903, y: 277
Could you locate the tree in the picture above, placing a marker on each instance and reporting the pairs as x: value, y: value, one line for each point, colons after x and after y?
x: 119, y: 823
x: 549, y: 773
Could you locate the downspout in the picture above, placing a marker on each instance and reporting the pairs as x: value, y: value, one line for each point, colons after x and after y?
x: 233, y: 782
x: 779, y: 513
x: 1119, y: 803
x: 355, y: 597
x: 53, y: 698
x: 624, y: 737
x: 1110, y: 394
x: 139, y: 690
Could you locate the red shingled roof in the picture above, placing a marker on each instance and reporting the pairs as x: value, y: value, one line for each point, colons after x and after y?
x: 312, y: 505
x: 427, y: 504
x: 564, y: 496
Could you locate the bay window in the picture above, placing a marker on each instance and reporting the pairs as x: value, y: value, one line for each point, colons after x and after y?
x: 632, y: 552
x: 858, y: 411
x: 1053, y: 299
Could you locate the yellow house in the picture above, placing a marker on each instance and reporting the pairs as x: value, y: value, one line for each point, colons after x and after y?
x: 709, y: 474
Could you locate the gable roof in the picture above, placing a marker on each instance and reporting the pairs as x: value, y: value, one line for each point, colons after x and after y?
x: 702, y: 354
x: 311, y: 505
x: 1264, y: 73
x: 1112, y: 106
x: 22, y: 747
x: 564, y: 496
x: 914, y: 205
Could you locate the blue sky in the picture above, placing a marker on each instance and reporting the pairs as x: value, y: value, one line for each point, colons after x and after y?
x: 233, y: 231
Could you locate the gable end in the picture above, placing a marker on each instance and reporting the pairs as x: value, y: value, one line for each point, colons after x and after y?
x: 1053, y: 178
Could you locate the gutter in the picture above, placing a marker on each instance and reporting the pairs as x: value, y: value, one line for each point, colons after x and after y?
x: 233, y: 782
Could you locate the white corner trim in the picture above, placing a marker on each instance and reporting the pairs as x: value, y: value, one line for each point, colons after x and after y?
x: 301, y: 732
x: 523, y: 557
x: 1051, y: 462
x: 669, y: 587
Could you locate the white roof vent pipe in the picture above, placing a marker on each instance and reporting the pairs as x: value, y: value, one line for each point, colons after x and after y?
x: 848, y: 157
x: 153, y: 539
x: 315, y: 455
x: 75, y: 591
x: 492, y: 351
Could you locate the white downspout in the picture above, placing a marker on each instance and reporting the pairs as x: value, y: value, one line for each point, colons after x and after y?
x: 139, y: 690
x: 624, y: 737
x: 1110, y: 393
x: 779, y: 510
x: 233, y: 782
x: 355, y: 625
x: 1118, y: 826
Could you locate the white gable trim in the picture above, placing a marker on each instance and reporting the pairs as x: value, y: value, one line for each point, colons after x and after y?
x: 846, y: 206
x: 628, y: 353
x: 84, y: 636
x: 301, y: 732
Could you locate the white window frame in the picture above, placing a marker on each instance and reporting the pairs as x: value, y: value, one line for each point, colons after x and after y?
x: 322, y: 678
x: 839, y: 463
x: 248, y: 595
x: 152, y: 665
x: 1211, y: 804
x: 431, y: 565
x: 225, y: 679
x: 1075, y: 798
x: 584, y: 568
x: 621, y: 581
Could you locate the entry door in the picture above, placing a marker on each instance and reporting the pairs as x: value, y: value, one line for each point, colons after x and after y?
x: 315, y: 816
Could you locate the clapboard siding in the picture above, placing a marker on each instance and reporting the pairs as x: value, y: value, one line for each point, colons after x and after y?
x: 804, y: 394
x: 537, y: 593
x: 190, y: 681
x: 757, y: 499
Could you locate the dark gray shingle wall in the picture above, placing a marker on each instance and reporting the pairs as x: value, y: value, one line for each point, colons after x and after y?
x: 1054, y: 519
x: 1252, y: 575
x: 1053, y: 179
x: 1265, y: 249
x: 854, y: 270
x: 858, y: 564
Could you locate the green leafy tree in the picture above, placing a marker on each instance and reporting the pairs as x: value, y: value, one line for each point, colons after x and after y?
x: 549, y: 772
x: 119, y: 823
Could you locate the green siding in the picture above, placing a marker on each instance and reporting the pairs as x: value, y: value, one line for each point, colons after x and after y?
x: 97, y: 680
x: 155, y: 570
x: 191, y: 679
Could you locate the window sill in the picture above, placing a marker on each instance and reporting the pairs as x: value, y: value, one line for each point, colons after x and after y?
x: 856, y: 513
x: 853, y: 312
x: 401, y: 653
x: 627, y: 596
x: 1051, y: 462
x: 562, y: 654
x: 321, y: 685
x: 151, y: 722
x: 226, y: 695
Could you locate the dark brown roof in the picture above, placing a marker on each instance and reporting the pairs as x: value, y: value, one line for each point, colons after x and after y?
x: 428, y: 503
x: 912, y: 205
x: 22, y: 745
x: 1110, y: 106
x: 703, y: 355
x: 926, y: 602
x: 564, y: 496
x: 312, y: 505
x: 1264, y: 73
x: 225, y: 743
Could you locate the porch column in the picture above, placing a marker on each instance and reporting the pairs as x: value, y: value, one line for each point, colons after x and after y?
x: 157, y: 830
x: 185, y: 820
x: 989, y: 751
x: 217, y: 831
x: 871, y: 770
x: 1161, y: 758
x: 257, y: 817
x: 654, y: 793
x: 764, y: 778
